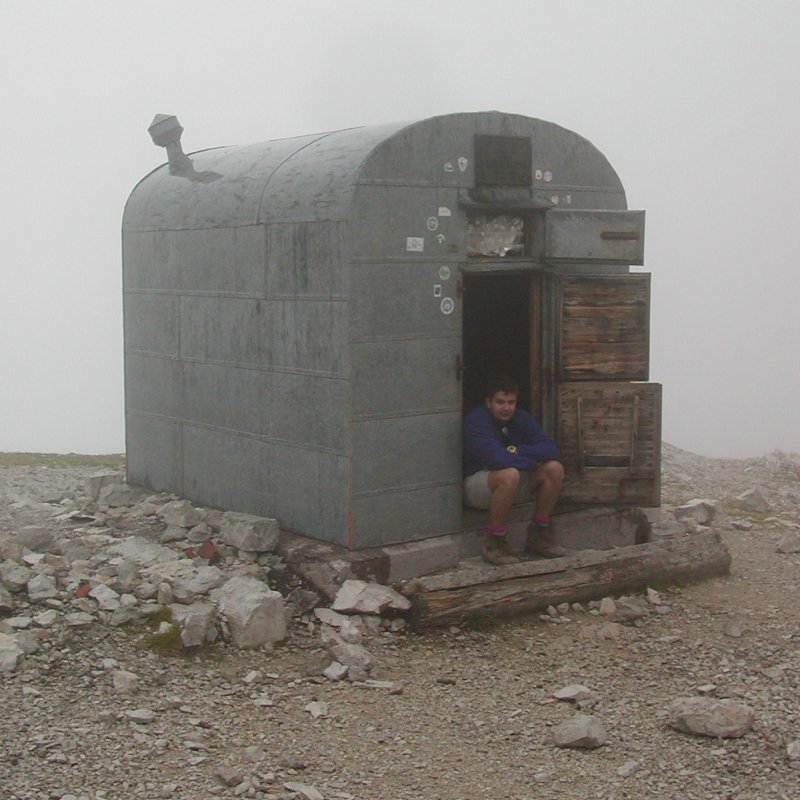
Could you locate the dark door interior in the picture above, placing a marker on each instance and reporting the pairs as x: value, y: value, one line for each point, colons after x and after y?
x: 497, y: 334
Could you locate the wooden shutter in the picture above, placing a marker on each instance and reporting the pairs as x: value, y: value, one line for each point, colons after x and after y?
x: 608, y: 419
x: 603, y: 327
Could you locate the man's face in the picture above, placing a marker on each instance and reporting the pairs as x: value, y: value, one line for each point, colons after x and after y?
x: 502, y: 405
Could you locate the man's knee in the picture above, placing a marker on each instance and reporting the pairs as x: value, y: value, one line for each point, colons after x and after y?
x: 555, y: 471
x: 551, y: 472
x: 504, y: 479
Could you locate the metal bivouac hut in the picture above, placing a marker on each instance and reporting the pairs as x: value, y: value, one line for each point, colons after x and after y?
x: 307, y: 319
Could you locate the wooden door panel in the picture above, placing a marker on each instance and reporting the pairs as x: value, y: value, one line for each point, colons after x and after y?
x: 609, y: 435
x: 603, y: 330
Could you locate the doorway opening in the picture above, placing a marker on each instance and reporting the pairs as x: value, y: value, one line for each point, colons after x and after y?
x: 497, y: 333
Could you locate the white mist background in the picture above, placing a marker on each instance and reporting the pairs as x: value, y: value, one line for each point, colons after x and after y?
x: 696, y: 103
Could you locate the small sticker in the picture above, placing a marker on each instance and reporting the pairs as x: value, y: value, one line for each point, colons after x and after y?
x: 432, y: 223
x: 437, y: 289
x: 548, y: 176
x: 463, y: 163
x: 444, y: 211
x: 568, y: 199
x: 448, y: 166
x: 538, y: 174
x: 447, y: 305
x: 444, y: 273
x: 415, y: 244
x: 555, y: 199
x: 440, y: 238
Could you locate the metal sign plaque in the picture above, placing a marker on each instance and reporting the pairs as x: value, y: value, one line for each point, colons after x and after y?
x: 503, y: 161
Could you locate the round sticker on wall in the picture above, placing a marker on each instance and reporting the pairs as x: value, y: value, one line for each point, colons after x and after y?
x: 447, y: 305
x: 433, y: 223
x: 444, y: 272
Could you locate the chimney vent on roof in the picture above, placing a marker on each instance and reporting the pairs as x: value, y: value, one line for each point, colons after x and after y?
x: 165, y: 131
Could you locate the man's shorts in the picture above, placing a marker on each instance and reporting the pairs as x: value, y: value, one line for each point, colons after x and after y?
x: 478, y: 495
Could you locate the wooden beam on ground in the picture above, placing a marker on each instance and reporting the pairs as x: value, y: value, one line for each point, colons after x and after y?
x: 476, y: 589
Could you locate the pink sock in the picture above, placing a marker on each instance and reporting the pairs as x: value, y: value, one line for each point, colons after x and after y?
x: 495, y: 530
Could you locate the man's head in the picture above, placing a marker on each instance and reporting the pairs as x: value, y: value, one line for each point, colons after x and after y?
x: 501, y: 398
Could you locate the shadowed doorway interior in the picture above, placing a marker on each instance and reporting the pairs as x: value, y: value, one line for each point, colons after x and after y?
x: 497, y: 333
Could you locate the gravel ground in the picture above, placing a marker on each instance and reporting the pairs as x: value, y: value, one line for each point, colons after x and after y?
x: 465, y: 713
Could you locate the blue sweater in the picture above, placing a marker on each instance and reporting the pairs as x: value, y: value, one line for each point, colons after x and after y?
x: 485, y: 444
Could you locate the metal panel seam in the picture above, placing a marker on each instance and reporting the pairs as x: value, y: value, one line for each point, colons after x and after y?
x: 428, y: 412
x: 400, y: 489
x: 241, y: 434
x: 289, y: 157
x: 241, y: 365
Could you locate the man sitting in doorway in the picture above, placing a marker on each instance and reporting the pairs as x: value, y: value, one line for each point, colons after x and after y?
x: 508, y: 457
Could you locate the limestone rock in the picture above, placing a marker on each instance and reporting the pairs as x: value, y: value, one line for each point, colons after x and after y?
x: 78, y: 619
x: 36, y: 538
x: 28, y: 642
x: 127, y: 577
x: 707, y: 716
x: 317, y: 708
x: 14, y: 576
x: 351, y: 655
x: 581, y: 731
x: 304, y: 790
x: 97, y: 481
x: 10, y: 548
x: 119, y: 495
x: 229, y: 776
x: 196, y: 623
x: 629, y: 609
x: 328, y: 616
x: 141, y: 716
x: 41, y: 587
x: 254, y: 612
x: 574, y: 693
x: 143, y: 552
x: 699, y: 511
x: 250, y: 533
x: 350, y: 633
x: 654, y: 597
x: 752, y: 500
x: 11, y: 654
x: 181, y: 514
x: 790, y: 543
x: 106, y: 598
x: 360, y: 597
x: 300, y: 601
x: 673, y: 527
x: 172, y: 534
x: 608, y: 607
x: 206, y: 579
x: 335, y: 671
x: 6, y: 600
x: 125, y: 682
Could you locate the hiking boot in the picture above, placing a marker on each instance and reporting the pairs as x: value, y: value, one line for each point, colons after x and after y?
x: 542, y: 542
x: 497, y: 551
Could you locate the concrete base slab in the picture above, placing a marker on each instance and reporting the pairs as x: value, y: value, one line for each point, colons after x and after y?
x: 327, y: 566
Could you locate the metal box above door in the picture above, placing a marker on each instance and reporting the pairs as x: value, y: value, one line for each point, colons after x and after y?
x: 597, y: 237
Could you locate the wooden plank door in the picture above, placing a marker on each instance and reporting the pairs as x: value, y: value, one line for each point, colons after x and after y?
x: 608, y: 417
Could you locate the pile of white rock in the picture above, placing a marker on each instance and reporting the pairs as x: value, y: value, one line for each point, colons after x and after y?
x: 123, y: 558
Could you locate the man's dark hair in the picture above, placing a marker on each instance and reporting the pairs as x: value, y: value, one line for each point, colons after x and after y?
x: 501, y: 383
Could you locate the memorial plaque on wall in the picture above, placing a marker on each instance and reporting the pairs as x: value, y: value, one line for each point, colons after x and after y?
x: 503, y: 161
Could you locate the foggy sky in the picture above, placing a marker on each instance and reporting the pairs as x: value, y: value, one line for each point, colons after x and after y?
x: 695, y: 103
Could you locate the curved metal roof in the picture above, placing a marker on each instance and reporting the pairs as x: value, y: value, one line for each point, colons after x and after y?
x: 313, y: 177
